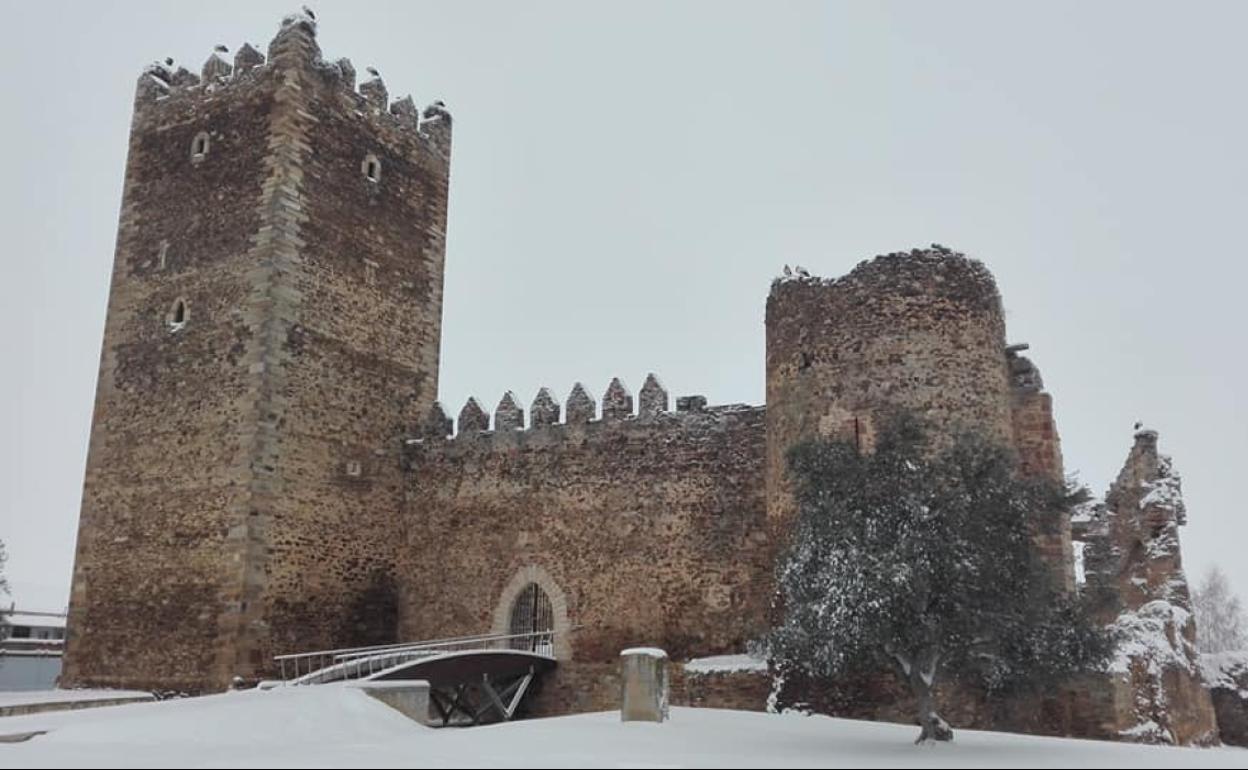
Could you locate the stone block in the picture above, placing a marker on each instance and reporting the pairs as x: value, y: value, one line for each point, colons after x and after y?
x: 643, y: 685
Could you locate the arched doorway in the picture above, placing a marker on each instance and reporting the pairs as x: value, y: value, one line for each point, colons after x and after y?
x: 532, y: 621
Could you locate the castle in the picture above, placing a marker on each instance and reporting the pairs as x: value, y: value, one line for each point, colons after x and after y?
x: 269, y: 470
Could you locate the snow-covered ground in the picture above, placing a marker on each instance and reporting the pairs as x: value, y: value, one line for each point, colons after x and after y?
x: 29, y: 697
x: 335, y: 726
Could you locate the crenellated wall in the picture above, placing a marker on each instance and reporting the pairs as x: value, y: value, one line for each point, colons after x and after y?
x: 273, y: 325
x: 268, y: 471
x: 643, y: 525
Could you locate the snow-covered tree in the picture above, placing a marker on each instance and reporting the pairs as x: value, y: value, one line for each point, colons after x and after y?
x: 1221, y: 625
x: 924, y: 563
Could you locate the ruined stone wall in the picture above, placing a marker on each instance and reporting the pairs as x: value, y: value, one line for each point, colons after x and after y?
x: 644, y: 529
x: 1040, y: 454
x: 1134, y: 569
x: 922, y: 330
x: 243, y: 460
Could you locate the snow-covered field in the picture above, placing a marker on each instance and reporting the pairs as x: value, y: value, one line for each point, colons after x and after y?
x: 334, y: 726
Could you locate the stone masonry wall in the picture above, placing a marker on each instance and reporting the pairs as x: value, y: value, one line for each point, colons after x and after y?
x: 642, y: 529
x: 243, y: 473
x: 1040, y: 454
x: 922, y: 330
x: 1134, y: 570
x: 169, y: 463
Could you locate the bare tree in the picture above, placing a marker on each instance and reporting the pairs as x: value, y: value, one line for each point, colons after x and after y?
x: 1221, y: 624
x: 4, y: 584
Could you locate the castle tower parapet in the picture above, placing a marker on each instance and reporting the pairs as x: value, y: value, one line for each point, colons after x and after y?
x: 472, y: 418
x: 652, y: 400
x: 508, y: 415
x: 581, y: 408
x: 545, y: 409
x: 617, y: 402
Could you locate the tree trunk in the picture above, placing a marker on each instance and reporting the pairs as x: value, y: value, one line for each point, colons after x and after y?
x: 933, y: 728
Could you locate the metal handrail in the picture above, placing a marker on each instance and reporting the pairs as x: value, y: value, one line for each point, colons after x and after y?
x: 380, y: 647
x: 355, y: 662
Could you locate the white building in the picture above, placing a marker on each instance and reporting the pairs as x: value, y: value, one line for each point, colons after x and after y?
x: 31, y: 645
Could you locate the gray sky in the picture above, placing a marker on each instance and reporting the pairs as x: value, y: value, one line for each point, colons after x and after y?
x: 628, y: 178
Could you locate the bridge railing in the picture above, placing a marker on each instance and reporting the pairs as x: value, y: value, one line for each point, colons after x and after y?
x: 358, y: 662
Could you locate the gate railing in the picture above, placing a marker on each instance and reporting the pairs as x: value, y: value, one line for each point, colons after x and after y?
x: 358, y: 662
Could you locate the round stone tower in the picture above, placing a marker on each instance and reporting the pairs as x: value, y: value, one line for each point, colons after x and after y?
x: 922, y: 330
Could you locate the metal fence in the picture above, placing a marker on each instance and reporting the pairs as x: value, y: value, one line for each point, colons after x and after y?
x: 359, y: 662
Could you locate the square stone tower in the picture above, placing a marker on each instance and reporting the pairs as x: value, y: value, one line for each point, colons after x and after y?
x: 273, y: 331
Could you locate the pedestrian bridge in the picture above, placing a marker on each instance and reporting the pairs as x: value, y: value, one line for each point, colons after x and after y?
x: 472, y: 679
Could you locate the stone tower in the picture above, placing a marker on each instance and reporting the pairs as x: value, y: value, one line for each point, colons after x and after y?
x: 273, y: 331
x: 923, y: 330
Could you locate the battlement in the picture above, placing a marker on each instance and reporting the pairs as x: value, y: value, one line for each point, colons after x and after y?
x: 937, y: 271
x: 164, y: 83
x: 472, y: 426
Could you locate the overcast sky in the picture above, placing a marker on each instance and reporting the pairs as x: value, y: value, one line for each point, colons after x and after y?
x: 628, y: 177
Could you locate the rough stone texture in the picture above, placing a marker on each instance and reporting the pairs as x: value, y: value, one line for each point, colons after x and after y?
x: 545, y: 409
x: 581, y: 408
x: 508, y: 415
x: 922, y: 330
x: 690, y: 403
x: 1226, y: 676
x: 219, y: 523
x: 247, y: 57
x: 644, y: 689
x: 472, y: 417
x: 1134, y: 568
x: 652, y: 401
x: 216, y: 66
x: 271, y: 474
x: 740, y: 690
x: 617, y: 402
x: 437, y: 424
x: 641, y: 532
x: 1040, y: 454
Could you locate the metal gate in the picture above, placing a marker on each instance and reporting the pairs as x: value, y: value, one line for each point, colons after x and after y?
x: 531, y: 618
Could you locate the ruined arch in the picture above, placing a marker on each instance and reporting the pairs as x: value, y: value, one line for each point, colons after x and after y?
x: 522, y: 585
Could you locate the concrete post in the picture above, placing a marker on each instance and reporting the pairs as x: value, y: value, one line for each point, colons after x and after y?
x: 643, y: 685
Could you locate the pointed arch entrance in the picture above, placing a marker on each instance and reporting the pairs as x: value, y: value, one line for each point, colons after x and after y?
x: 531, y: 604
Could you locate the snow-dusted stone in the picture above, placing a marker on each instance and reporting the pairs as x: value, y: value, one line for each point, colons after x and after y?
x: 652, y: 400
x: 347, y: 69
x: 581, y: 407
x: 508, y: 415
x: 691, y: 404
x: 217, y: 66
x: 246, y: 58
x: 617, y: 402
x: 405, y: 109
x: 436, y: 424
x: 183, y: 78
x: 472, y: 418
x: 374, y: 92
x: 643, y: 685
x: 545, y: 409
x: 1226, y: 676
